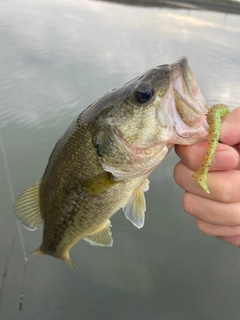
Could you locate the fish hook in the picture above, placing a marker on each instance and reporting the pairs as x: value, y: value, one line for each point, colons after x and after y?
x: 185, y: 137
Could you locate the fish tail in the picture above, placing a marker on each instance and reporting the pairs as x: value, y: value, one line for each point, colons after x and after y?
x: 69, y: 262
x: 64, y: 257
x: 37, y: 251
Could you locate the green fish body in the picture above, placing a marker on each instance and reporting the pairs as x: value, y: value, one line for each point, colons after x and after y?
x: 103, y: 160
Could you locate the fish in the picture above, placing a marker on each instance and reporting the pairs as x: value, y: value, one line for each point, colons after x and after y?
x: 102, y: 162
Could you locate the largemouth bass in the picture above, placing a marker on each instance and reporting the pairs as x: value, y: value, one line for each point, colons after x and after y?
x: 103, y: 160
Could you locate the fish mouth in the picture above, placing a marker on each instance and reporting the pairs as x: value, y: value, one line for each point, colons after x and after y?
x: 188, y: 108
x: 189, y: 102
x: 187, y: 84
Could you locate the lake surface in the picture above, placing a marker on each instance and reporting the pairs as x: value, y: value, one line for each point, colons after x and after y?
x: 56, y: 57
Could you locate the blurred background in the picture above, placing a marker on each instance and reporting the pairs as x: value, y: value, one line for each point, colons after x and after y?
x: 58, y: 56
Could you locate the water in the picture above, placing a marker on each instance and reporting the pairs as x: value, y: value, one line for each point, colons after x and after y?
x: 56, y: 57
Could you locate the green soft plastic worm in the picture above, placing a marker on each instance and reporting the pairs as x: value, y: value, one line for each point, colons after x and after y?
x: 214, y: 117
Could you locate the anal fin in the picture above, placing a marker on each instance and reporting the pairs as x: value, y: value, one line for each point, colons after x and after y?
x: 27, y: 208
x: 136, y: 207
x: 102, y: 237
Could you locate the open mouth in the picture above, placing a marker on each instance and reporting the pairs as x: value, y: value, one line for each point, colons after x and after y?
x: 184, y: 104
x: 189, y: 102
x: 183, y: 78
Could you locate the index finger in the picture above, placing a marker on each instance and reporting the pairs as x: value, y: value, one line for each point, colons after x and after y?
x: 230, y: 128
x: 226, y: 157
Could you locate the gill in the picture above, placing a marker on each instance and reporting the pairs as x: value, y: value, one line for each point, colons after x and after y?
x: 10, y: 186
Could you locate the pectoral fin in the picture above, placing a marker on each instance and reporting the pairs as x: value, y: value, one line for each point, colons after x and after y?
x: 136, y: 207
x: 102, y: 237
x: 99, y: 184
x: 27, y: 208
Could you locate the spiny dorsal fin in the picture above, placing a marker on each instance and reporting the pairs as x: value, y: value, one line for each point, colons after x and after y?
x: 102, y: 237
x: 136, y: 207
x: 27, y: 208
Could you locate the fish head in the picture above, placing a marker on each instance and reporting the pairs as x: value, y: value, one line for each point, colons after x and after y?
x: 144, y: 118
x: 164, y: 104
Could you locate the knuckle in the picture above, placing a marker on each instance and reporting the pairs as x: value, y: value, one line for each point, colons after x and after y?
x: 188, y: 203
x: 228, y: 188
x: 198, y: 224
x: 223, y: 192
x: 237, y: 217
x: 202, y: 227
x: 177, y: 173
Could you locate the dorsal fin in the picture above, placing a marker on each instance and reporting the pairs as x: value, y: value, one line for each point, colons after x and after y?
x: 27, y: 208
x: 102, y: 237
x: 136, y: 207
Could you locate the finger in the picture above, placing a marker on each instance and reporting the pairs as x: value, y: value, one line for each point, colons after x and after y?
x: 230, y: 129
x: 235, y: 240
x: 224, y: 186
x: 224, y: 214
x: 217, y: 230
x: 238, y: 147
x: 226, y: 157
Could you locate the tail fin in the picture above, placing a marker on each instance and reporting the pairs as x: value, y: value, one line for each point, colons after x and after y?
x: 69, y: 262
x: 37, y: 251
x: 64, y: 257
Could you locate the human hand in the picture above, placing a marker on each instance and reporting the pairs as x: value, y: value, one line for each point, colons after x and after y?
x: 218, y: 213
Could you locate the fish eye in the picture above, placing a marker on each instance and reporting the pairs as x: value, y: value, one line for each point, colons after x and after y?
x: 143, y: 93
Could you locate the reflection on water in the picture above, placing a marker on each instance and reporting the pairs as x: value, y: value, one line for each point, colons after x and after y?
x: 61, y: 61
x: 227, y: 6
x: 56, y: 57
